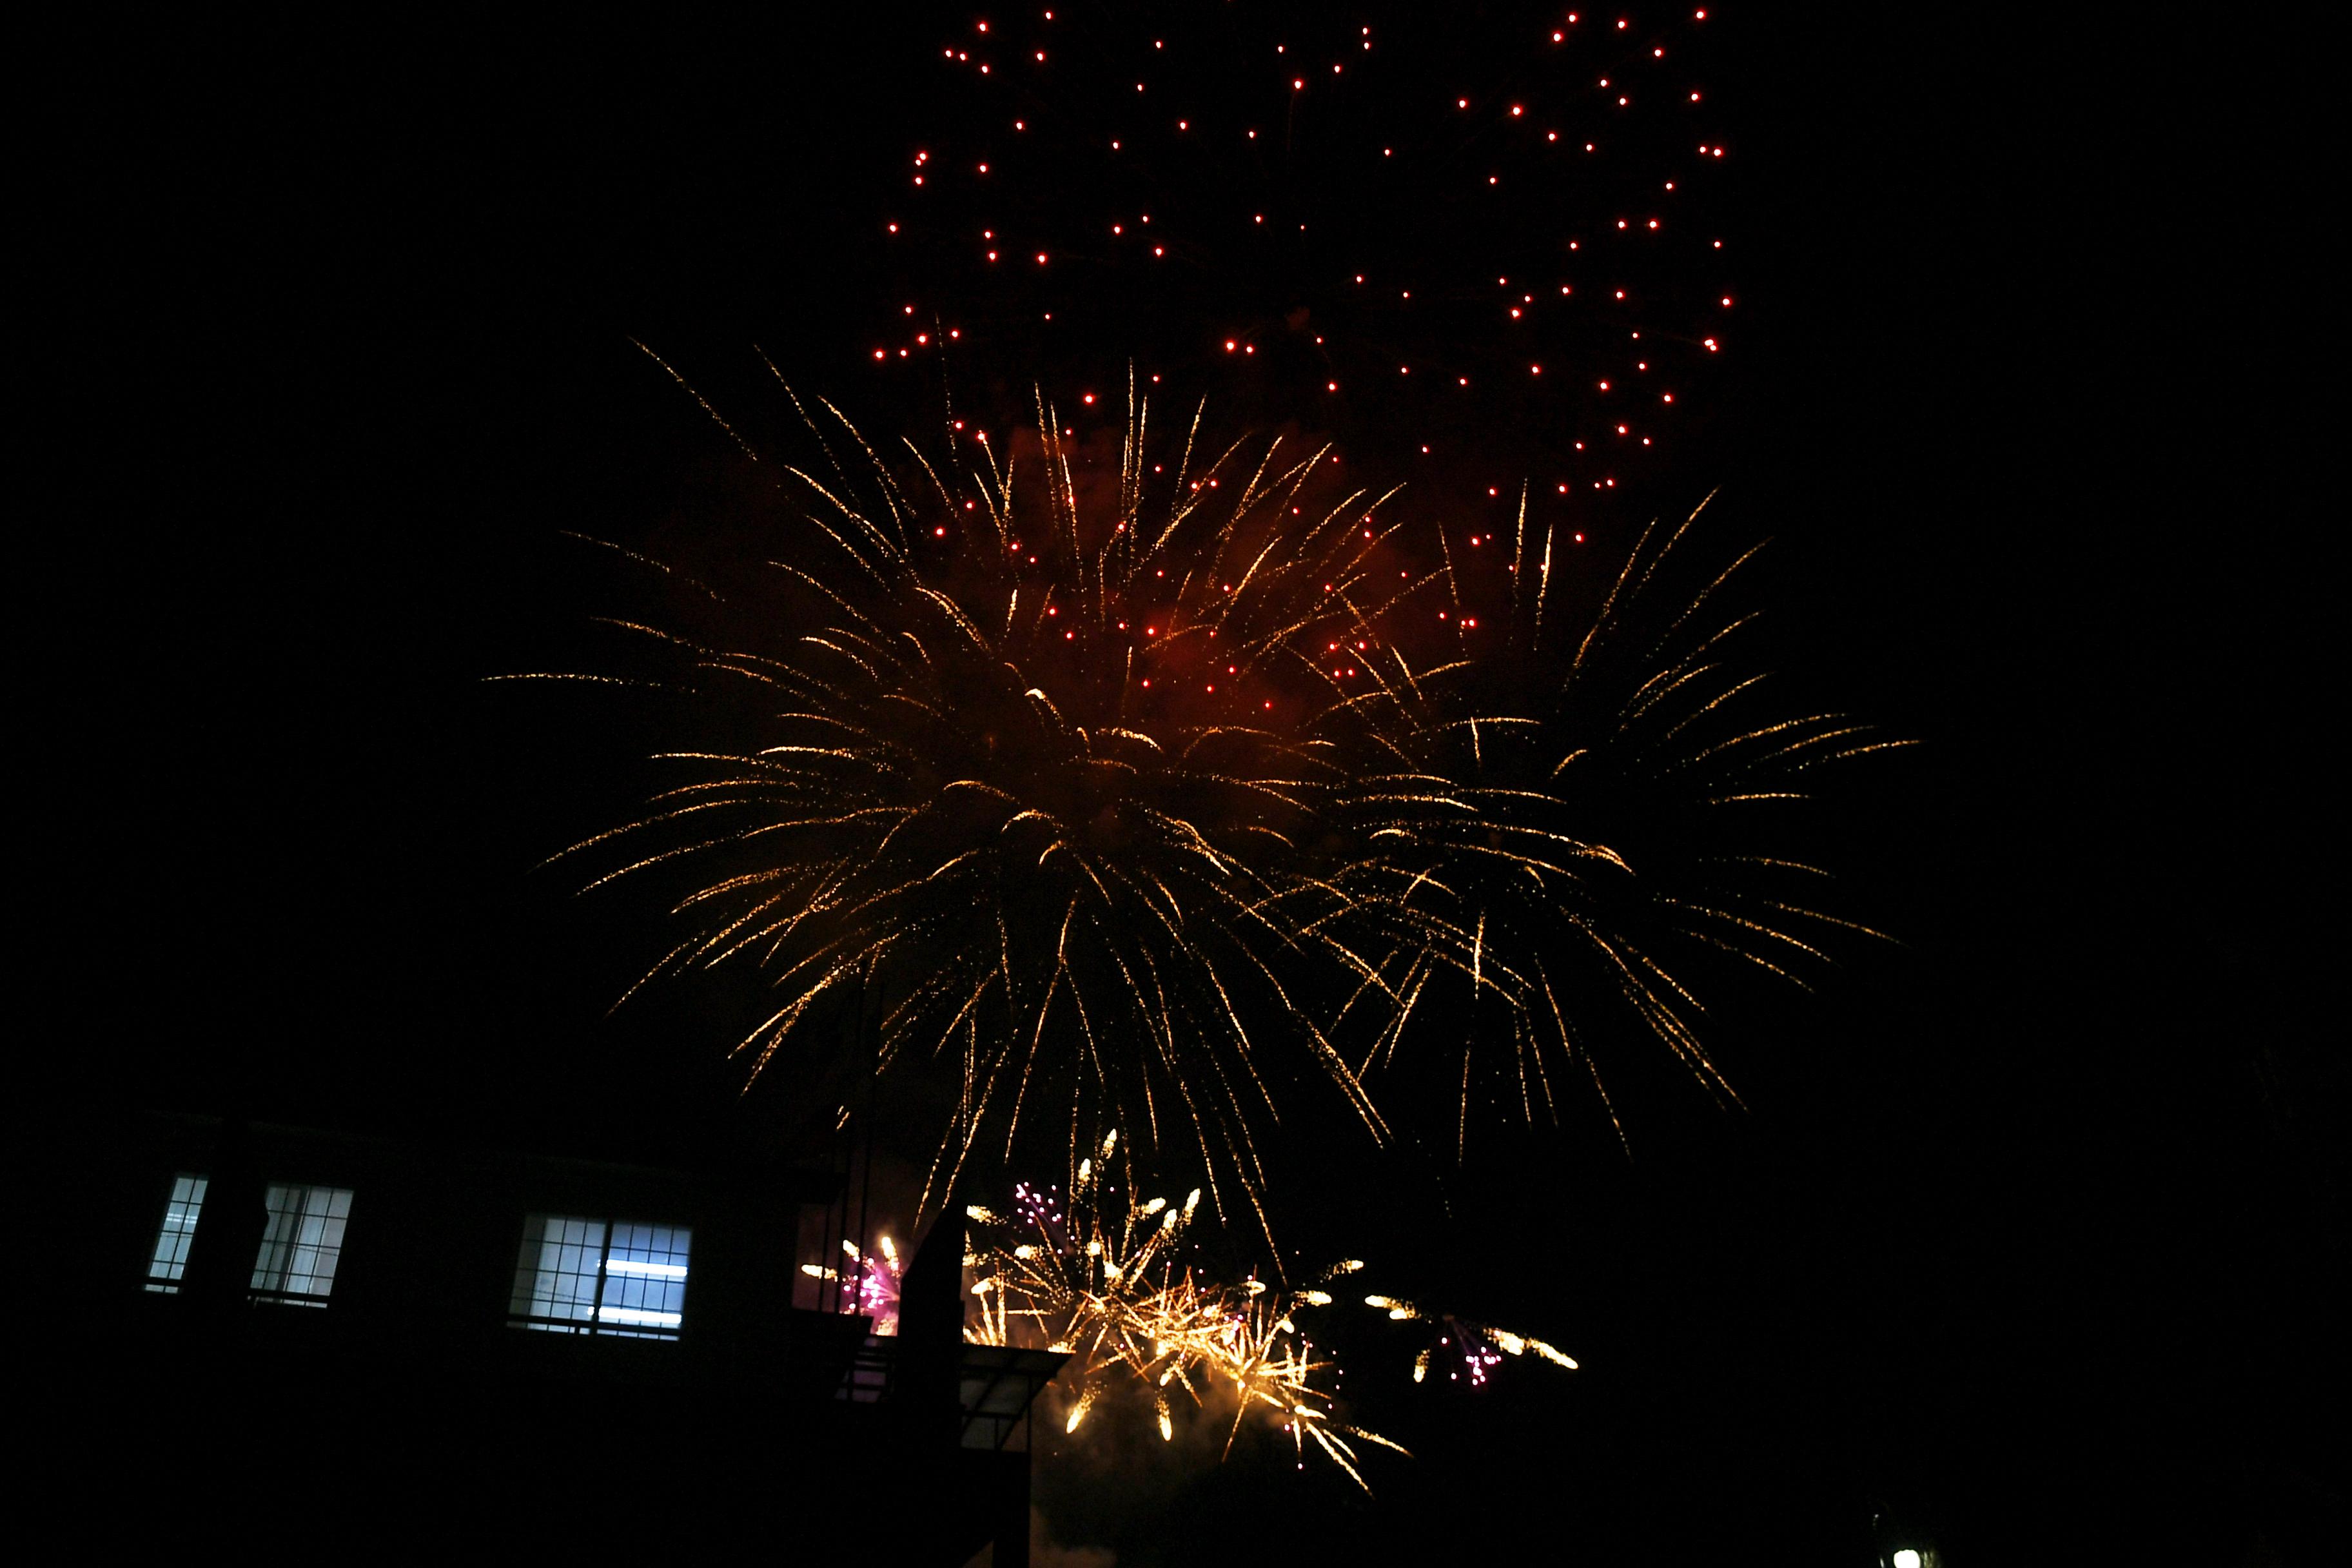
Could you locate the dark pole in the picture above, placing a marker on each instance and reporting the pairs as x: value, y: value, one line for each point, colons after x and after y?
x: 873, y: 1071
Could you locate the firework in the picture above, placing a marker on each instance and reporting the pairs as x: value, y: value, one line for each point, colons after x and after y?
x: 1479, y: 1347
x: 873, y: 1280
x: 1559, y: 813
x: 1498, y: 234
x: 1099, y: 1279
x: 1022, y: 760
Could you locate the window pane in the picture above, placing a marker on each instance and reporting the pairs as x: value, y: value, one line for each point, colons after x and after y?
x: 178, y: 1229
x: 589, y: 1276
x: 644, y: 1278
x: 557, y: 1271
x: 303, y: 1243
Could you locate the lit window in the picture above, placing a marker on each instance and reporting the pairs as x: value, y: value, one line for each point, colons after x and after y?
x: 590, y: 1276
x: 171, y: 1240
x: 302, y: 1244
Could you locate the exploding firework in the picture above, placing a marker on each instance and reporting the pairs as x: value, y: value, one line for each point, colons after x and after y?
x: 1498, y: 232
x: 1099, y: 1279
x: 873, y: 1280
x: 1477, y: 1348
x: 1559, y: 820
x: 1133, y: 786
x: 1020, y: 756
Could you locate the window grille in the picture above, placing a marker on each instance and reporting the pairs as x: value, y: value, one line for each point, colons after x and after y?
x: 578, y: 1276
x: 304, y: 1242
x: 170, y: 1261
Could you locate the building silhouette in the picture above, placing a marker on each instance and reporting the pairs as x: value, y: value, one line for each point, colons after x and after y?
x: 278, y: 1338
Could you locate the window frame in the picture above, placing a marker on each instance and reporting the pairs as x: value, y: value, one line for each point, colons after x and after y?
x: 176, y: 1232
x: 666, y: 1275
x: 332, y: 1223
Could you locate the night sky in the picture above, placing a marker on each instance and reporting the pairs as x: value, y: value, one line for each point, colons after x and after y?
x: 2030, y: 1225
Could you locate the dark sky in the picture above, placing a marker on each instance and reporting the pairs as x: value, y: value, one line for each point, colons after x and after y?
x: 2030, y: 1224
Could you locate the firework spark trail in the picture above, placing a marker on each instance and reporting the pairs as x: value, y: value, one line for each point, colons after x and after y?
x: 1099, y: 1279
